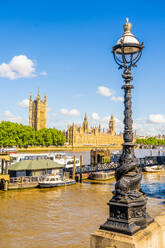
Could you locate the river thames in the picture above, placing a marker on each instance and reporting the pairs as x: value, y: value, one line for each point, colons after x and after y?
x: 65, y: 216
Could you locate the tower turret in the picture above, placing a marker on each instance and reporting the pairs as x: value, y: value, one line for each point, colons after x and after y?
x: 37, y: 112
x: 38, y: 95
x: 45, y: 99
x: 85, y: 124
x: 112, y: 125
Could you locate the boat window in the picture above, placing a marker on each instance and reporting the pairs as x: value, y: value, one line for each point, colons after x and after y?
x: 69, y: 162
x: 52, y: 179
x: 47, y: 179
x: 12, y: 159
x: 49, y: 171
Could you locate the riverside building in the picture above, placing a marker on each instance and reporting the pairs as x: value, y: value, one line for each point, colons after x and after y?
x: 94, y: 136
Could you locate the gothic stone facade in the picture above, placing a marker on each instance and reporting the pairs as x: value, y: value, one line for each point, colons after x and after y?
x: 37, y: 112
x: 83, y: 135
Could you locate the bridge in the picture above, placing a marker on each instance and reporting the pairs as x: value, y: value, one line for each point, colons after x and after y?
x: 84, y: 171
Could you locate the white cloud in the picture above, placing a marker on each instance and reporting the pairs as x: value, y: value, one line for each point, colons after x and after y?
x: 72, y: 112
x: 104, y: 91
x: 117, y: 99
x: 157, y: 119
x: 8, y: 116
x: 24, y: 103
x: 95, y: 116
x: 149, y: 127
x: 44, y: 73
x: 19, y: 67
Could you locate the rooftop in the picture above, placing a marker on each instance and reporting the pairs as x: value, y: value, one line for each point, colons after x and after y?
x: 35, y: 165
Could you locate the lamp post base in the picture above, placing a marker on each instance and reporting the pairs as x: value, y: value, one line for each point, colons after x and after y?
x: 152, y: 236
x: 127, y: 216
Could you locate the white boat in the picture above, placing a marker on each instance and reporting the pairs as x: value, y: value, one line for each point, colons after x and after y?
x: 153, y: 163
x: 9, y: 150
x: 102, y: 175
x: 54, y: 181
x: 61, y: 158
x: 154, y: 168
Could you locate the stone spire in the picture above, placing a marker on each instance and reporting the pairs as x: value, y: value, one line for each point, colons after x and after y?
x: 38, y: 95
x: 85, y: 124
x: 30, y: 99
x: 112, y: 125
x: 45, y: 99
x: 85, y: 118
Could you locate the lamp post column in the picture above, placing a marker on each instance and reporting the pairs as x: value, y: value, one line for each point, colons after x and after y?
x: 127, y: 208
x: 128, y: 134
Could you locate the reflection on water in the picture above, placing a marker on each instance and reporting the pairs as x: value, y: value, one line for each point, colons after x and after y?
x: 64, y: 217
x: 153, y: 185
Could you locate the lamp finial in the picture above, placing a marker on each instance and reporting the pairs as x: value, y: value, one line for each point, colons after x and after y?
x: 127, y: 26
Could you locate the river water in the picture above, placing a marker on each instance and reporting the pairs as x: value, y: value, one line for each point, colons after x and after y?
x: 65, y: 217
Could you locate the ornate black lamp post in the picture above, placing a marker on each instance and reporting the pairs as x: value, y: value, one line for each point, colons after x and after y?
x: 128, y: 205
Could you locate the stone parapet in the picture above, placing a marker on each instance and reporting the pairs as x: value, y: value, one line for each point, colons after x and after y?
x: 151, y: 237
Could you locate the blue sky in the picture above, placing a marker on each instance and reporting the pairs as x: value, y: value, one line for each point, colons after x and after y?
x: 64, y: 48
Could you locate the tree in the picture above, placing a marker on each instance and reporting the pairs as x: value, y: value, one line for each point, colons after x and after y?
x: 14, y: 134
x: 151, y: 141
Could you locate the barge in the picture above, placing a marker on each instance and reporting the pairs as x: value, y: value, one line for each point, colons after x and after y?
x: 102, y: 175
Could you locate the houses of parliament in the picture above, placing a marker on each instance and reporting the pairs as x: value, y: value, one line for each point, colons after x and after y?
x: 86, y: 136
x: 75, y: 135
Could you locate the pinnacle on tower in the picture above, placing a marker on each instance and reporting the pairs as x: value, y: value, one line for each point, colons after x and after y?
x: 45, y: 98
x: 112, y: 117
x: 30, y: 97
x: 38, y: 93
x: 85, y: 118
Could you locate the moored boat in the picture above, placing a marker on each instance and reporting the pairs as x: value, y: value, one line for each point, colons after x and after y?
x: 153, y: 163
x: 54, y: 181
x: 26, y: 173
x: 102, y: 175
x: 154, y: 168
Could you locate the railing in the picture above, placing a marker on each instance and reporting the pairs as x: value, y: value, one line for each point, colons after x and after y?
x: 99, y: 167
x: 22, y: 180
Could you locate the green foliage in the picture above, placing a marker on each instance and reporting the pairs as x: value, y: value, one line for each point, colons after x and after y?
x: 151, y: 141
x: 13, y: 134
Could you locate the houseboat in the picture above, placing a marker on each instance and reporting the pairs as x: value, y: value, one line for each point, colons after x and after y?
x: 27, y: 173
x: 60, y: 158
